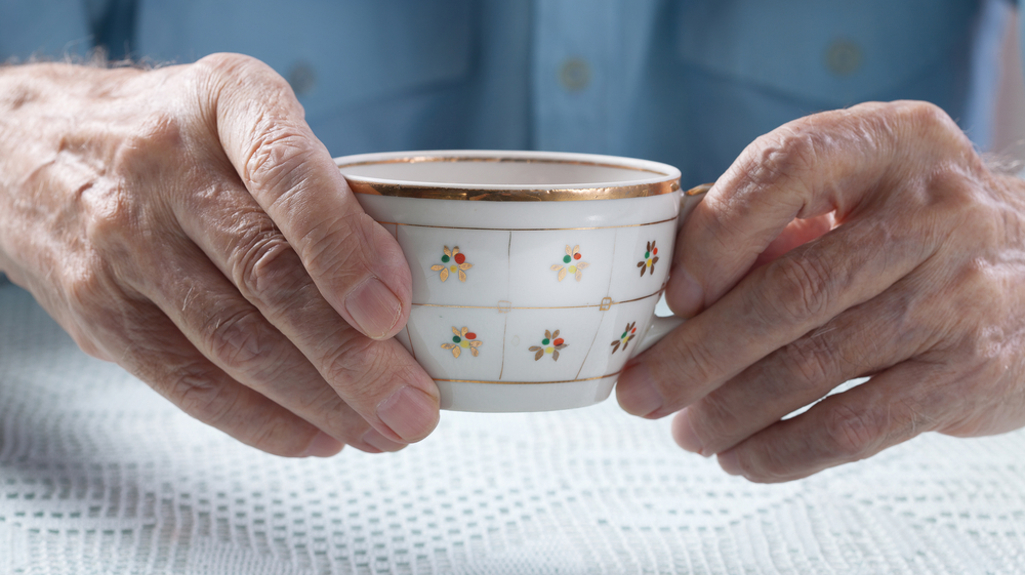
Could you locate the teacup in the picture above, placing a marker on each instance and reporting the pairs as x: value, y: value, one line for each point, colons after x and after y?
x: 535, y: 274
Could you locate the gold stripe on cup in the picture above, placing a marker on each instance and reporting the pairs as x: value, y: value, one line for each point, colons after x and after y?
x: 604, y: 305
x: 667, y: 220
x: 528, y: 382
x: 515, y: 195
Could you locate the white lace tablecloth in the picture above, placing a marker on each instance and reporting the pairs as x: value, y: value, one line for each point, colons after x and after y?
x: 98, y: 474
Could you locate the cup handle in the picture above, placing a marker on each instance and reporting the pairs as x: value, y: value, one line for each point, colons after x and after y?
x: 690, y: 199
x: 658, y: 327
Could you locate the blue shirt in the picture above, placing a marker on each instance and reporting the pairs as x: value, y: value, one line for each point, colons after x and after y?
x: 685, y: 82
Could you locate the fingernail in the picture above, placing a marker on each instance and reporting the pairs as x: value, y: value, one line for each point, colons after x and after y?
x: 683, y: 433
x: 729, y: 462
x: 637, y: 393
x: 374, y: 308
x: 409, y: 413
x: 684, y: 294
x: 323, y: 445
x: 374, y: 439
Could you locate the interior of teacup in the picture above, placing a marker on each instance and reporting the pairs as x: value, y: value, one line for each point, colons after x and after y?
x: 498, y: 170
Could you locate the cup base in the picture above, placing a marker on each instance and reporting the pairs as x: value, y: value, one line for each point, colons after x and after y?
x: 518, y: 397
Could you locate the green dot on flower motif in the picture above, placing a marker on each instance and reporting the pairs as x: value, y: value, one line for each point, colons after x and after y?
x: 622, y: 336
x: 444, y: 259
x: 545, y: 341
x: 566, y: 259
x: 456, y: 339
x: 647, y: 255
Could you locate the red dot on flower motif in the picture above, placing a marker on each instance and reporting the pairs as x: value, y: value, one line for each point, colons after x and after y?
x: 654, y: 252
x: 471, y: 335
x: 460, y: 258
x: 558, y: 341
x: 576, y: 256
x: 634, y: 330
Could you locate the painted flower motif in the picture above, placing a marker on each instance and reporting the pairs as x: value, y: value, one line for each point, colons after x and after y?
x: 552, y: 343
x: 570, y: 263
x: 452, y: 262
x: 650, y: 259
x: 463, y: 339
x: 628, y: 334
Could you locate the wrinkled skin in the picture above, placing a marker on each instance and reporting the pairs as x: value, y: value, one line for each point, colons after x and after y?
x: 185, y: 223
x: 871, y: 241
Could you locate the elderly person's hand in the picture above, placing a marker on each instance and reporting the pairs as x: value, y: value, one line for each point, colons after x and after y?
x: 871, y: 241
x: 185, y: 223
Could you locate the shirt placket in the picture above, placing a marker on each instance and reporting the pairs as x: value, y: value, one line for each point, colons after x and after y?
x: 574, y: 58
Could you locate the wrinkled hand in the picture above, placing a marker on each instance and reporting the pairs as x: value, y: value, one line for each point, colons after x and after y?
x: 186, y: 223
x: 871, y: 241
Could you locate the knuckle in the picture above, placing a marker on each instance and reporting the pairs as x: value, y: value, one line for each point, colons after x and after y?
x: 714, y: 422
x: 324, y: 400
x: 198, y: 392
x: 86, y: 289
x: 363, y: 372
x: 278, y: 437
x: 201, y: 394
x: 802, y: 288
x: 698, y: 362
x: 338, y: 248
x: 158, y: 133
x: 227, y: 61
x: 850, y: 433
x: 808, y: 364
x: 113, y: 208
x: 266, y: 269
x: 241, y: 342
x: 354, y: 365
x: 928, y: 116
x: 782, y: 156
x: 239, y: 67
x: 275, y: 153
x: 940, y: 138
x: 112, y: 218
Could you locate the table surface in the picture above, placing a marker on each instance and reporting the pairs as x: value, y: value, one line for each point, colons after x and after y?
x: 98, y: 474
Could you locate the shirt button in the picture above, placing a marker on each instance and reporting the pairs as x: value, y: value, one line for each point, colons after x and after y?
x: 574, y: 74
x: 843, y: 57
x: 302, y: 78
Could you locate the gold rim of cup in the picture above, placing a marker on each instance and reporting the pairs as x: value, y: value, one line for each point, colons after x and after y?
x: 653, y: 178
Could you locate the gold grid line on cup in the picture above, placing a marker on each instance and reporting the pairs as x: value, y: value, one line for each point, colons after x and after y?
x: 604, y: 306
x: 673, y: 219
x: 529, y: 382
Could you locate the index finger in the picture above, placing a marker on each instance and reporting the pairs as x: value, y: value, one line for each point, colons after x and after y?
x: 355, y: 263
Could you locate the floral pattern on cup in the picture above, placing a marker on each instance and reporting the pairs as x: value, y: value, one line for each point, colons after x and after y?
x: 650, y: 259
x: 452, y: 262
x: 463, y: 339
x: 570, y: 263
x: 551, y: 344
x: 628, y: 334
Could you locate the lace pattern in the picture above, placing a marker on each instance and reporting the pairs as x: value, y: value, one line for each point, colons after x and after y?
x: 98, y: 474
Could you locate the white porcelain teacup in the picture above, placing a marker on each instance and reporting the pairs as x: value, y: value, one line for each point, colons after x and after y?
x: 535, y: 274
